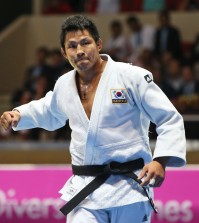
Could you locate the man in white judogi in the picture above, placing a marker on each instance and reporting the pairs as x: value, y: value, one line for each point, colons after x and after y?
x: 109, y: 106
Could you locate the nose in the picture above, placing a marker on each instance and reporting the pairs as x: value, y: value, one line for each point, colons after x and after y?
x: 80, y: 50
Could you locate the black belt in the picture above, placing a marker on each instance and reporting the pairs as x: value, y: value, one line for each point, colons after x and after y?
x: 102, y: 173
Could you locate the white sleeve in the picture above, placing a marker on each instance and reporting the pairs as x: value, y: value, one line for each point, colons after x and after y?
x: 41, y: 113
x: 169, y: 123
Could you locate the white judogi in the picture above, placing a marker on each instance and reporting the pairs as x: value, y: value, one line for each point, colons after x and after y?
x: 126, y: 100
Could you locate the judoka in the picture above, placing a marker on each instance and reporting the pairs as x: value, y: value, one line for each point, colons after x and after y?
x: 109, y: 106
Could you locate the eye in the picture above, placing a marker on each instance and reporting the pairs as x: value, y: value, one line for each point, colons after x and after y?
x: 85, y: 42
x: 72, y: 45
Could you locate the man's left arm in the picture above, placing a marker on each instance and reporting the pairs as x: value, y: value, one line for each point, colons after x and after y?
x: 170, y: 149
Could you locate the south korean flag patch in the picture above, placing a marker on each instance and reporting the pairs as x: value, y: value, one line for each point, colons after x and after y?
x: 118, y: 96
x: 148, y: 78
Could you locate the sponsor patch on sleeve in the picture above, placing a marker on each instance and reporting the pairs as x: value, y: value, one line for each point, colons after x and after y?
x: 118, y: 96
x: 148, y: 78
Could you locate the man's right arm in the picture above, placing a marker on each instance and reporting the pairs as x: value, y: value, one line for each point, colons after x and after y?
x: 42, y: 113
x: 10, y: 119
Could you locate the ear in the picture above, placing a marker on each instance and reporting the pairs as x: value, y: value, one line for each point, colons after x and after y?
x: 99, y: 45
x: 63, y: 53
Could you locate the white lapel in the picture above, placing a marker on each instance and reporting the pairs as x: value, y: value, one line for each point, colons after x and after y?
x: 77, y: 102
x: 92, y: 129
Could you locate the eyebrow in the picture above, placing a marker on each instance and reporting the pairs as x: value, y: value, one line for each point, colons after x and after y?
x: 74, y: 41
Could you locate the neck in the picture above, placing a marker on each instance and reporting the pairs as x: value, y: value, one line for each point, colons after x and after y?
x: 87, y: 82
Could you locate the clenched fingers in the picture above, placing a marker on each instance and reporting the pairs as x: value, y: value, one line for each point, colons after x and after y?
x: 6, y: 120
x: 9, y: 119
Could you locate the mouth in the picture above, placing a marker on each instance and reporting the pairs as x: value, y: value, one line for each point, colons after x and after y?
x: 81, y: 59
x: 82, y: 63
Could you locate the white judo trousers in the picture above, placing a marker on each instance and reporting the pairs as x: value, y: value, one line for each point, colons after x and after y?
x: 125, y: 214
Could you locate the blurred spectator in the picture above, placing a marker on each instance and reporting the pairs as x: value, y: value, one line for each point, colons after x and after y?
x: 167, y: 37
x: 108, y: 6
x: 190, y: 85
x: 189, y: 99
x: 24, y: 96
x: 172, y: 5
x: 39, y: 68
x: 196, y: 70
x: 37, y: 82
x: 195, y: 56
x: 158, y: 78
x: 140, y: 37
x: 58, y: 65
x: 42, y: 87
x: 188, y: 5
x: 57, y: 7
x: 195, y: 50
x: 103, y: 6
x: 32, y: 73
x: 173, y: 82
x: 20, y: 96
x: 164, y: 60
x: 187, y: 54
x: 116, y: 45
x: 154, y: 5
x: 113, y: 6
x: 39, y: 79
x: 147, y: 60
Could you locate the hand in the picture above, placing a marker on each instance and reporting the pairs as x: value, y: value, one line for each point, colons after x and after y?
x: 154, y: 170
x: 10, y: 119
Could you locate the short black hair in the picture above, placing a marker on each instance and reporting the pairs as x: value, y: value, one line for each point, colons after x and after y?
x: 78, y: 22
x: 165, y: 13
x: 132, y: 19
x: 116, y: 23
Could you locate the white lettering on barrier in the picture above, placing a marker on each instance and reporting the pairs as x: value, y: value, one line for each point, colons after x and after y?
x: 34, y: 208
x: 174, y: 211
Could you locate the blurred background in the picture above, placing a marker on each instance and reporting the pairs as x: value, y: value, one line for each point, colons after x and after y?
x: 159, y: 35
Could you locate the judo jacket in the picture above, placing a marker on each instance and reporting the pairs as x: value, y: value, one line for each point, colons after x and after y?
x: 125, y: 102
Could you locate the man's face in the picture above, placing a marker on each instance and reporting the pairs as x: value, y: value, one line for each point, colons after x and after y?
x: 81, y: 50
x: 164, y: 21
